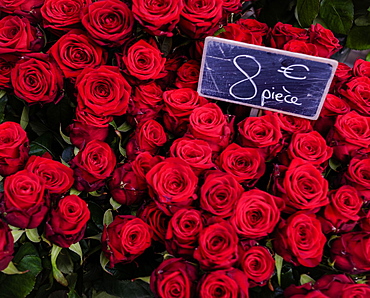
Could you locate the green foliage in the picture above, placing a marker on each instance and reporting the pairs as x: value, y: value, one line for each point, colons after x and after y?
x: 306, y: 11
x: 338, y: 15
x: 359, y: 38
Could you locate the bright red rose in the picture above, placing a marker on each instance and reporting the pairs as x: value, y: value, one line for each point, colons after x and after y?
x: 239, y: 33
x: 6, y: 245
x: 24, y: 202
x: 7, y: 62
x: 301, y: 46
x: 257, y: 28
x: 358, y: 176
x: 200, y: 19
x: 188, y: 75
x: 172, y: 184
x: 151, y: 136
x: 37, y: 79
x: 183, y: 232
x: 342, y: 74
x: 174, y: 277
x: 246, y: 165
x: 299, y: 240
x: 93, y: 165
x: 361, y: 68
x: 290, y: 124
x: 109, y: 22
x: 14, y: 148
x: 218, y: 247
x: 324, y: 40
x: 143, y: 163
x: 231, y: 283
x: 126, y: 238
x: 74, y: 52
x: 219, y: 193
x: 357, y: 91
x: 282, y: 33
x: 158, y: 17
x: 67, y: 223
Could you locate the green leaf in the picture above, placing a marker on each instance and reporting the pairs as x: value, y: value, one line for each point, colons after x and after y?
x: 33, y: 235
x: 278, y: 264
x: 363, y: 20
x: 338, y: 15
x: 104, y: 261
x: 76, y: 248
x: 115, y: 205
x: 359, y: 38
x: 74, y: 191
x: 306, y: 11
x: 367, y: 57
x: 96, y: 214
x: 58, y: 275
x: 17, y: 234
x: 125, y: 127
x: 305, y: 279
x: 11, y: 269
x: 108, y: 217
x: 24, y: 117
x: 65, y: 138
x: 3, y: 102
x: 42, y: 144
x: 101, y: 294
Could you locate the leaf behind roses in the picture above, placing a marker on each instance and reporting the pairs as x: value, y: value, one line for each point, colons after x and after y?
x: 306, y: 11
x: 338, y: 15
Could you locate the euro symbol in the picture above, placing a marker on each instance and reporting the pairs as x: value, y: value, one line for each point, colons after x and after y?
x: 288, y: 70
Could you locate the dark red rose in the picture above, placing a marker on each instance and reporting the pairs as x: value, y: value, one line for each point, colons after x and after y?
x: 231, y: 6
x: 324, y: 40
x: 67, y: 223
x: 342, y: 213
x: 282, y: 33
x: 126, y: 238
x: 361, y: 68
x: 365, y: 221
x: 218, y: 247
x: 246, y: 165
x: 239, y: 33
x: 357, y: 91
x: 144, y: 61
x: 342, y: 74
x: 332, y: 285
x: 200, y: 19
x: 75, y: 51
x: 174, y: 277
x: 219, y: 193
x: 7, y: 62
x: 6, y: 245
x: 17, y: 35
x: 183, y: 232
x: 24, y: 202
x: 358, y: 176
x: 82, y: 133
x: 109, y: 22
x: 257, y: 28
x: 22, y: 8
x: 262, y: 133
x: 143, y: 163
x: 158, y: 17
x: 302, y: 187
x: 57, y: 177
x: 93, y: 165
x: 351, y: 252
x: 304, y: 291
x: 299, y: 240
x: 258, y: 264
x: 37, y: 79
x: 356, y: 291
x: 156, y: 219
x: 231, y: 283
x: 172, y: 184
x: 188, y: 75
x: 151, y: 136
x: 14, y: 148
x: 301, y: 46
x: 256, y: 214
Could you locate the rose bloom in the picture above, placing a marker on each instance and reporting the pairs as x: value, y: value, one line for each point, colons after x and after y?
x: 361, y: 68
x: 174, y: 277
x: 231, y: 6
x: 290, y: 124
x: 324, y: 40
x: 282, y: 33
x: 332, y: 285
x: 239, y: 33
x: 14, y: 148
x: 188, y: 75
x: 301, y: 46
x: 299, y: 240
x: 67, y: 223
x: 304, y: 290
x: 29, y: 9
x: 6, y: 245
x: 158, y: 17
x: 357, y: 92
x: 7, y: 62
x: 150, y: 136
x: 257, y: 28
x: 358, y: 176
x: 126, y: 238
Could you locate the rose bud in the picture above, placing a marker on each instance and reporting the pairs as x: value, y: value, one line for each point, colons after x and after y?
x: 256, y: 214
x: 6, y: 245
x: 238, y: 33
x: 358, y: 176
x: 218, y: 247
x: 219, y: 193
x: 258, y: 265
x: 301, y: 46
x: 93, y: 165
x: 282, y: 33
x: 231, y: 283
x: 183, y: 231
x: 299, y: 240
x: 67, y: 223
x: 7, y: 63
x: 125, y: 239
x: 361, y: 68
x: 150, y: 136
x: 332, y: 285
x: 172, y: 185
x: 14, y: 148
x: 324, y: 40
x: 255, y: 27
x: 174, y: 277
x: 188, y: 75
x: 24, y: 202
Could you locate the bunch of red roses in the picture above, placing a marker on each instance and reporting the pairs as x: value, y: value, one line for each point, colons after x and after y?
x: 222, y: 193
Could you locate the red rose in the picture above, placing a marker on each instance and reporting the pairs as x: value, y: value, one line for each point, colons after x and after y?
x: 172, y: 184
x: 57, y: 177
x: 229, y: 283
x: 302, y: 187
x: 14, y: 148
x: 332, y: 285
x: 67, y: 223
x: 126, y: 238
x: 75, y: 51
x: 93, y: 165
x: 183, y: 231
x: 219, y: 193
x: 82, y: 133
x: 361, y: 68
x: 200, y: 19
x: 306, y: 290
x: 290, y: 124
x: 24, y: 200
x: 151, y: 136
x: 174, y: 278
x: 231, y: 6
x: 188, y: 75
x: 299, y: 240
x: 246, y: 165
x: 282, y: 33
x: 358, y: 176
x: 324, y: 40
x: 301, y: 46
x: 19, y: 36
x: 6, y: 245
x: 7, y: 62
x: 109, y: 22
x: 342, y: 74
x: 357, y: 91
x: 27, y: 9
x: 144, y: 61
x: 37, y: 79
x: 356, y: 291
x: 158, y: 17
x: 257, y: 28
x: 258, y: 264
x: 239, y: 33
x: 143, y: 163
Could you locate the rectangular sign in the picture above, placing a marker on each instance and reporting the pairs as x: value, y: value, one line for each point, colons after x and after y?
x: 265, y: 78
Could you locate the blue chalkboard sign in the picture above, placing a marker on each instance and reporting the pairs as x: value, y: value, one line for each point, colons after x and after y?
x: 265, y: 78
